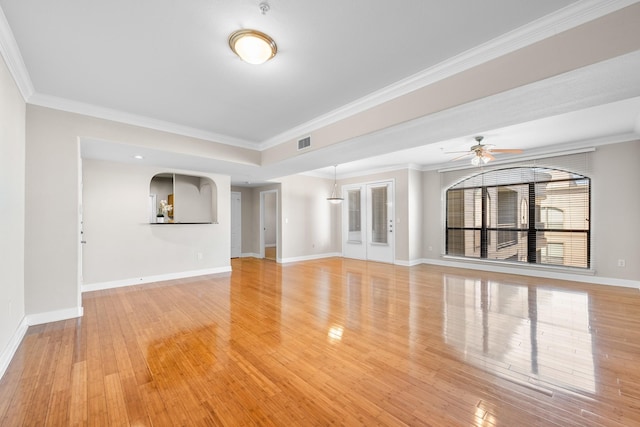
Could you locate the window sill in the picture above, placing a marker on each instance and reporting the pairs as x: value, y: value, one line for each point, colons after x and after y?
x: 517, y: 265
x: 179, y: 223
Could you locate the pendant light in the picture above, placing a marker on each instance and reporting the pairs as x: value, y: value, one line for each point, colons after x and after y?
x: 335, y: 196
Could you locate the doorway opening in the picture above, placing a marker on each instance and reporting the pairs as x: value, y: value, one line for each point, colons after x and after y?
x: 236, y: 224
x: 269, y: 224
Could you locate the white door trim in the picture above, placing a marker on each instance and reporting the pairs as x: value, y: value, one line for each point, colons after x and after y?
x: 262, y: 222
x: 364, y: 251
x: 236, y: 221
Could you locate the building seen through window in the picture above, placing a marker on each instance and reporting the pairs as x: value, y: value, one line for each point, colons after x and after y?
x: 529, y: 215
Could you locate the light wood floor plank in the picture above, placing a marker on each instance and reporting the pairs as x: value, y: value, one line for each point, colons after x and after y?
x: 335, y: 341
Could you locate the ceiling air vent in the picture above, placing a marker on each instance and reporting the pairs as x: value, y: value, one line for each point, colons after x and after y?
x: 304, y: 143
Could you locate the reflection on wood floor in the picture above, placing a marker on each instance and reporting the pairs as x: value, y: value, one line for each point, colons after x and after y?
x: 335, y: 342
x: 270, y: 253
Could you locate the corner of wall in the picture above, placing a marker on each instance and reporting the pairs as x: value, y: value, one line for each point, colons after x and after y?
x: 12, y: 346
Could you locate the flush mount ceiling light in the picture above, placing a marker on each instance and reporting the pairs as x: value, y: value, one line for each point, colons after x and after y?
x: 252, y: 46
x: 335, y: 196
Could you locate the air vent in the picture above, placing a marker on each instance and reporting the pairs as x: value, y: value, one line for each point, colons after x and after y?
x: 304, y: 143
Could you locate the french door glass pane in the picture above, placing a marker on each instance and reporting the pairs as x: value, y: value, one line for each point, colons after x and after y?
x: 355, y: 228
x: 379, y: 215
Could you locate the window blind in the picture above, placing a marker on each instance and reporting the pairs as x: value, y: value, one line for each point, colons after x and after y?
x: 535, y: 212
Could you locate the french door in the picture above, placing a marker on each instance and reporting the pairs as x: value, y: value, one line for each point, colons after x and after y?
x: 368, y: 221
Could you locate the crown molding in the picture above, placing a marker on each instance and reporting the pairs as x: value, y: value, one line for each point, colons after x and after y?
x: 13, y: 58
x: 586, y: 146
x: 562, y: 20
x: 378, y: 171
x: 136, y: 120
x: 360, y: 173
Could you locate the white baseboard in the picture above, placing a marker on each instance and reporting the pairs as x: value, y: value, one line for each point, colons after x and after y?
x: 309, y: 257
x: 150, y: 279
x: 54, y: 316
x: 249, y: 255
x: 560, y: 275
x: 12, y: 346
x: 31, y: 320
x: 273, y: 245
x: 408, y: 263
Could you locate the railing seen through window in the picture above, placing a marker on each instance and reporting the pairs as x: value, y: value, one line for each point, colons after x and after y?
x: 540, y: 216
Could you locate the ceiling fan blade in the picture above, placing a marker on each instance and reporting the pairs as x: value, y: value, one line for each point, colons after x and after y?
x: 506, y: 150
x: 488, y: 155
x: 462, y: 157
x: 456, y: 152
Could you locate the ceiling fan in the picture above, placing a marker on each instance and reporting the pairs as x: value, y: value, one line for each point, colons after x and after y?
x: 483, y: 153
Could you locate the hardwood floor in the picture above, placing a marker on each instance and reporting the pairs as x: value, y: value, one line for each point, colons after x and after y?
x: 270, y: 253
x: 335, y: 342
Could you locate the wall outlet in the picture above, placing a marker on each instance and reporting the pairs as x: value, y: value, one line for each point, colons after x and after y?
x: 622, y: 263
x: 199, y: 256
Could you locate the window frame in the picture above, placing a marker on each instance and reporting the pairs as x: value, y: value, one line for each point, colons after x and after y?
x: 530, y: 232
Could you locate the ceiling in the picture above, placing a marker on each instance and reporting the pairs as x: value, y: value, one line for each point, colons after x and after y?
x: 166, y: 64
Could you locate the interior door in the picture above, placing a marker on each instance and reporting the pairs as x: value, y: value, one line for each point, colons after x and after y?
x: 368, y: 227
x: 236, y: 224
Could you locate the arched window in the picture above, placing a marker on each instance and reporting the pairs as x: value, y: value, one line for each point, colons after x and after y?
x: 541, y: 217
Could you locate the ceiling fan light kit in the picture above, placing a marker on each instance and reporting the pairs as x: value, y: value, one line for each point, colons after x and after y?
x: 481, y: 154
x: 480, y: 160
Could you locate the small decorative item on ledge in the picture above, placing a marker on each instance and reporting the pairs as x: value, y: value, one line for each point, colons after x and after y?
x: 163, y: 212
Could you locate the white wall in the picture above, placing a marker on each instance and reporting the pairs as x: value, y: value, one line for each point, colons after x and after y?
x: 12, y: 206
x: 122, y: 245
x: 307, y: 219
x: 51, y: 221
x: 415, y: 213
x: 615, y: 210
x: 432, y: 218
